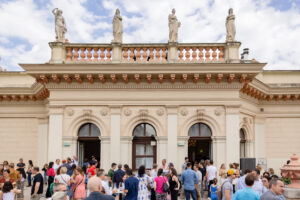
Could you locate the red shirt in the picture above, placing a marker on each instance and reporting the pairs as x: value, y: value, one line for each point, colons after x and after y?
x: 51, y: 172
x: 92, y: 170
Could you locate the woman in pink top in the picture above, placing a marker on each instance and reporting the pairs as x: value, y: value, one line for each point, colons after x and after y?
x: 79, y: 182
x: 50, y: 174
x: 158, y: 185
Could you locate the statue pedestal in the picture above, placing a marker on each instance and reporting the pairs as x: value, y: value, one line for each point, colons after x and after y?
x: 292, y: 193
x: 232, y: 52
x: 172, y: 51
x: 116, y: 52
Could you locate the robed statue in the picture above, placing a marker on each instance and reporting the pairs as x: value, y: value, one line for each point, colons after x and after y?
x: 174, y: 24
x: 117, y: 27
x: 60, y: 25
x: 230, y: 26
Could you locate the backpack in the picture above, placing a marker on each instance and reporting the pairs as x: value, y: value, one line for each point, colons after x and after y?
x: 165, y: 186
x: 220, y: 191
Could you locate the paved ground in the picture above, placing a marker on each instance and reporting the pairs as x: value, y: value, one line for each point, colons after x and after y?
x: 28, y: 189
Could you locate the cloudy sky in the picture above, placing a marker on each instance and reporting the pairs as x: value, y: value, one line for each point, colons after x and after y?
x: 270, y: 28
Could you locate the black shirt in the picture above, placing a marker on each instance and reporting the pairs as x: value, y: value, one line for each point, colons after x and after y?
x: 38, y: 179
x: 203, y: 171
x: 98, y: 195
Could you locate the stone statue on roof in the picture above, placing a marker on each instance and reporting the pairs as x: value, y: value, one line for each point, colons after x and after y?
x: 174, y: 24
x: 60, y: 25
x: 230, y: 26
x: 117, y: 27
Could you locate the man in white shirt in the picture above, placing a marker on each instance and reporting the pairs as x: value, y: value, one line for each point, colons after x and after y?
x: 56, y: 165
x: 75, y: 161
x: 104, y: 182
x: 211, y: 173
x: 258, y: 185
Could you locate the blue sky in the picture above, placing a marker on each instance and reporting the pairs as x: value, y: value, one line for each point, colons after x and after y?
x: 269, y: 28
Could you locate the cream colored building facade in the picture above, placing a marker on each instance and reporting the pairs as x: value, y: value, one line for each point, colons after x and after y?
x: 171, y: 87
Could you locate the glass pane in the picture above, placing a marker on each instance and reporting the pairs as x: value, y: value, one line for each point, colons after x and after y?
x: 150, y: 130
x: 205, y: 130
x: 149, y: 163
x: 242, y: 134
x: 242, y: 150
x: 149, y: 150
x: 84, y: 131
x: 139, y: 162
x: 139, y: 130
x: 194, y: 130
x: 139, y: 149
x: 95, y: 130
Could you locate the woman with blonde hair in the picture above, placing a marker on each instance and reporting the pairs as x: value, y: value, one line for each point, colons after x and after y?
x: 63, y: 177
x: 78, y: 179
x: 222, y: 173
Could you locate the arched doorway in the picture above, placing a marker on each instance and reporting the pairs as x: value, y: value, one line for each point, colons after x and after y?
x: 242, y: 143
x: 143, y: 146
x: 88, y: 142
x: 199, y: 146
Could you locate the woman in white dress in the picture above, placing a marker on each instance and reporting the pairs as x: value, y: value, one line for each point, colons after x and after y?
x: 144, y: 191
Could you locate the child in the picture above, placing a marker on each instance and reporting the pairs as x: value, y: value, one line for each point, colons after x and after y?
x: 8, y: 192
x: 213, y: 189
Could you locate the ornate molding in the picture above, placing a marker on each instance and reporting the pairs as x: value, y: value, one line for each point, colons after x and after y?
x: 70, y: 111
x: 104, y: 111
x: 127, y: 112
x: 87, y: 113
x: 200, y: 113
x: 143, y: 113
x: 160, y: 112
x: 218, y: 111
x: 184, y: 111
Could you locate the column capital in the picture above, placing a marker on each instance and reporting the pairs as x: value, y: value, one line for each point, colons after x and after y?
x: 259, y: 120
x: 126, y: 138
x: 161, y: 138
x: 172, y: 109
x: 104, y: 138
x: 56, y: 110
x: 70, y: 138
x: 43, y: 120
x: 183, y: 138
x: 232, y: 109
x: 115, y: 109
x: 218, y: 138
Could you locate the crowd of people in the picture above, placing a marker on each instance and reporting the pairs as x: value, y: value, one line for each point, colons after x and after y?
x: 67, y: 180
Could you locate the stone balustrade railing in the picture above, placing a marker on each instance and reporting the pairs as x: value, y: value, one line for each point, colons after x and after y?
x: 201, y: 52
x: 88, y: 52
x: 163, y: 52
x: 145, y: 53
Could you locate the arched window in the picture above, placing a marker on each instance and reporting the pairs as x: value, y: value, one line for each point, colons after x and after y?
x: 88, y: 130
x: 242, y: 143
x: 144, y: 146
x: 144, y: 130
x: 200, y: 130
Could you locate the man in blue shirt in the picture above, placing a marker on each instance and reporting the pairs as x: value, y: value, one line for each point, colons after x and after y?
x: 118, y: 176
x: 189, y: 179
x: 131, y: 186
x: 247, y: 192
x: 241, y: 181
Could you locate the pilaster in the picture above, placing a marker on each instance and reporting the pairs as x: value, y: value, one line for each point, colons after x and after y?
x: 55, y: 143
x: 162, y: 149
x: 182, y: 151
x: 219, y: 150
x: 232, y: 134
x: 105, y: 159
x: 172, y: 134
x: 42, y: 141
x: 259, y: 137
x: 115, y: 124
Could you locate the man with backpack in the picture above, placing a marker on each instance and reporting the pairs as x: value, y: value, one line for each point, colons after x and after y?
x: 226, y: 192
x: 189, y: 179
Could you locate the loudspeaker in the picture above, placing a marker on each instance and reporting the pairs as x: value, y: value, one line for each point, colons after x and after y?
x: 247, y: 163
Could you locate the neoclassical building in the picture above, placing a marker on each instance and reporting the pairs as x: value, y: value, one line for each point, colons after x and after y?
x: 141, y: 103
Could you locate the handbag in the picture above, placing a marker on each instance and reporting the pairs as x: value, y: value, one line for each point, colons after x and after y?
x: 77, y: 185
x: 165, y: 186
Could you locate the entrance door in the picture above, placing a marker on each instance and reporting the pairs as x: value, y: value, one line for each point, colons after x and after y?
x: 199, y: 146
x: 88, y: 142
x: 143, y: 146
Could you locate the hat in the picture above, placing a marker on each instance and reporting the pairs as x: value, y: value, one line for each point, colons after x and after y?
x: 230, y: 172
x: 171, y: 164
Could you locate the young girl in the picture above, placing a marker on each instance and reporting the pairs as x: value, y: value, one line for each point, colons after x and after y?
x: 213, y: 190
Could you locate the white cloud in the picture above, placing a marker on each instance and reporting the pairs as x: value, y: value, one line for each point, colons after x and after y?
x: 271, y: 35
